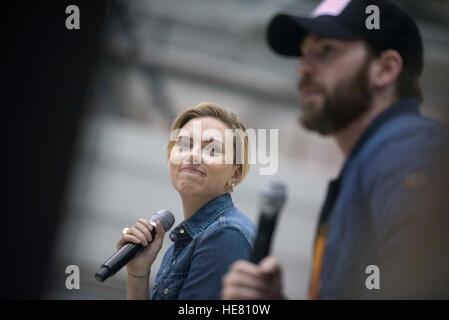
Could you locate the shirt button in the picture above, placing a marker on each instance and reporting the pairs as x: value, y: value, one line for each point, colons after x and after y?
x: 166, y: 291
x: 181, y: 231
x: 174, y: 261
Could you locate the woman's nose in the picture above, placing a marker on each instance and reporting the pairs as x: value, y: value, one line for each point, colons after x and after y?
x: 195, y: 155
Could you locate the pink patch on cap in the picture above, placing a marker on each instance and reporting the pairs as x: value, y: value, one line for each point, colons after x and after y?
x: 330, y: 7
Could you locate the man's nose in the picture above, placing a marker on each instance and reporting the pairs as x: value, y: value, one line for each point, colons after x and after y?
x: 304, y: 68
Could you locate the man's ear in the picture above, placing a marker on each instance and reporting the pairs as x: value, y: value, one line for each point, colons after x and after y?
x: 387, y: 68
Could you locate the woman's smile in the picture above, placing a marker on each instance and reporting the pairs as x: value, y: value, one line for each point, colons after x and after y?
x: 189, y: 169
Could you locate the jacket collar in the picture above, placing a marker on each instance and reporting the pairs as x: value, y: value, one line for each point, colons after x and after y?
x: 201, y: 219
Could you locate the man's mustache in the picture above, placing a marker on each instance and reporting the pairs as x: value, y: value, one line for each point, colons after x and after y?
x: 308, y: 83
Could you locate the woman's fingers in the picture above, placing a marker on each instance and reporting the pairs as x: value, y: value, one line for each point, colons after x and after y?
x: 159, y: 233
x: 145, y: 229
x: 144, y: 221
x: 124, y: 239
x: 139, y: 235
x: 159, y: 230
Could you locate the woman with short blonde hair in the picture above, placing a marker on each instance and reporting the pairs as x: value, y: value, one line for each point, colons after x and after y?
x: 208, y: 154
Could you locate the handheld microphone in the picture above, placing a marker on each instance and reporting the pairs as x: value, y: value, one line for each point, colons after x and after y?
x: 272, y: 198
x: 130, y: 250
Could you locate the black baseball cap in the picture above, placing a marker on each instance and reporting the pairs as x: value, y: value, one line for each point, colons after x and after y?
x: 346, y: 20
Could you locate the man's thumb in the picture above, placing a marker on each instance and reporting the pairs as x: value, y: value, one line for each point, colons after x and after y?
x: 269, y: 265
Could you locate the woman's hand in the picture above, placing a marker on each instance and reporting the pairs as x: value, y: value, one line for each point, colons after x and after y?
x: 140, y: 233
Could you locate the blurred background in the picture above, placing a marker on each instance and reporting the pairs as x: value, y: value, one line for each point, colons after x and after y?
x: 159, y: 57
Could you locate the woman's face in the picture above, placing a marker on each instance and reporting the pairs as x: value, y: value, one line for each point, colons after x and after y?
x: 197, y: 160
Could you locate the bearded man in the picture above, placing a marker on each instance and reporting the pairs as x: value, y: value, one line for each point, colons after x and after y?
x: 384, y: 225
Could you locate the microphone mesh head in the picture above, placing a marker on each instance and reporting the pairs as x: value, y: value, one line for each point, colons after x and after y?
x: 165, y: 217
x: 273, y: 197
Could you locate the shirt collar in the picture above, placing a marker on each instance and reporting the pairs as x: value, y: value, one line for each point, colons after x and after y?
x: 402, y: 106
x: 202, y: 218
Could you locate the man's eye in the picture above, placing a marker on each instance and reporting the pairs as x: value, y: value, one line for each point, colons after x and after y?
x: 327, y: 51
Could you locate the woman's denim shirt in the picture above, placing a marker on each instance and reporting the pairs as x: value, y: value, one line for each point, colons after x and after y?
x: 204, y: 246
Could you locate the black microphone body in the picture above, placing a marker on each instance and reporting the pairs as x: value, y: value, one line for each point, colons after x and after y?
x: 272, y: 200
x: 262, y: 244
x: 119, y: 259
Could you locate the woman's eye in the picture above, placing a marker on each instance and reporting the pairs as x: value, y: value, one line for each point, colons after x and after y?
x: 184, y: 145
x: 214, y: 150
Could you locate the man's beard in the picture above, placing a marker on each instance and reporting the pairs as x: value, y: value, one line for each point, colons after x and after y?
x: 348, y: 102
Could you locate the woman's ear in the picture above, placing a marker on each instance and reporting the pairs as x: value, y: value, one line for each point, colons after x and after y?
x: 236, y: 174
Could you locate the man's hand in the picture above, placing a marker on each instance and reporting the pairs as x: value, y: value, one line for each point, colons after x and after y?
x: 248, y: 281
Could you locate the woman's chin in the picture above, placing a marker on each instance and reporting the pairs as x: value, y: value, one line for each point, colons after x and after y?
x: 190, y: 189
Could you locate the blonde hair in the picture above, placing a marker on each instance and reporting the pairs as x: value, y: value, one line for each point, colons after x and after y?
x: 210, y: 109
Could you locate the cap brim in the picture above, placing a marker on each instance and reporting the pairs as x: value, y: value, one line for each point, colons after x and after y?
x: 286, y: 32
